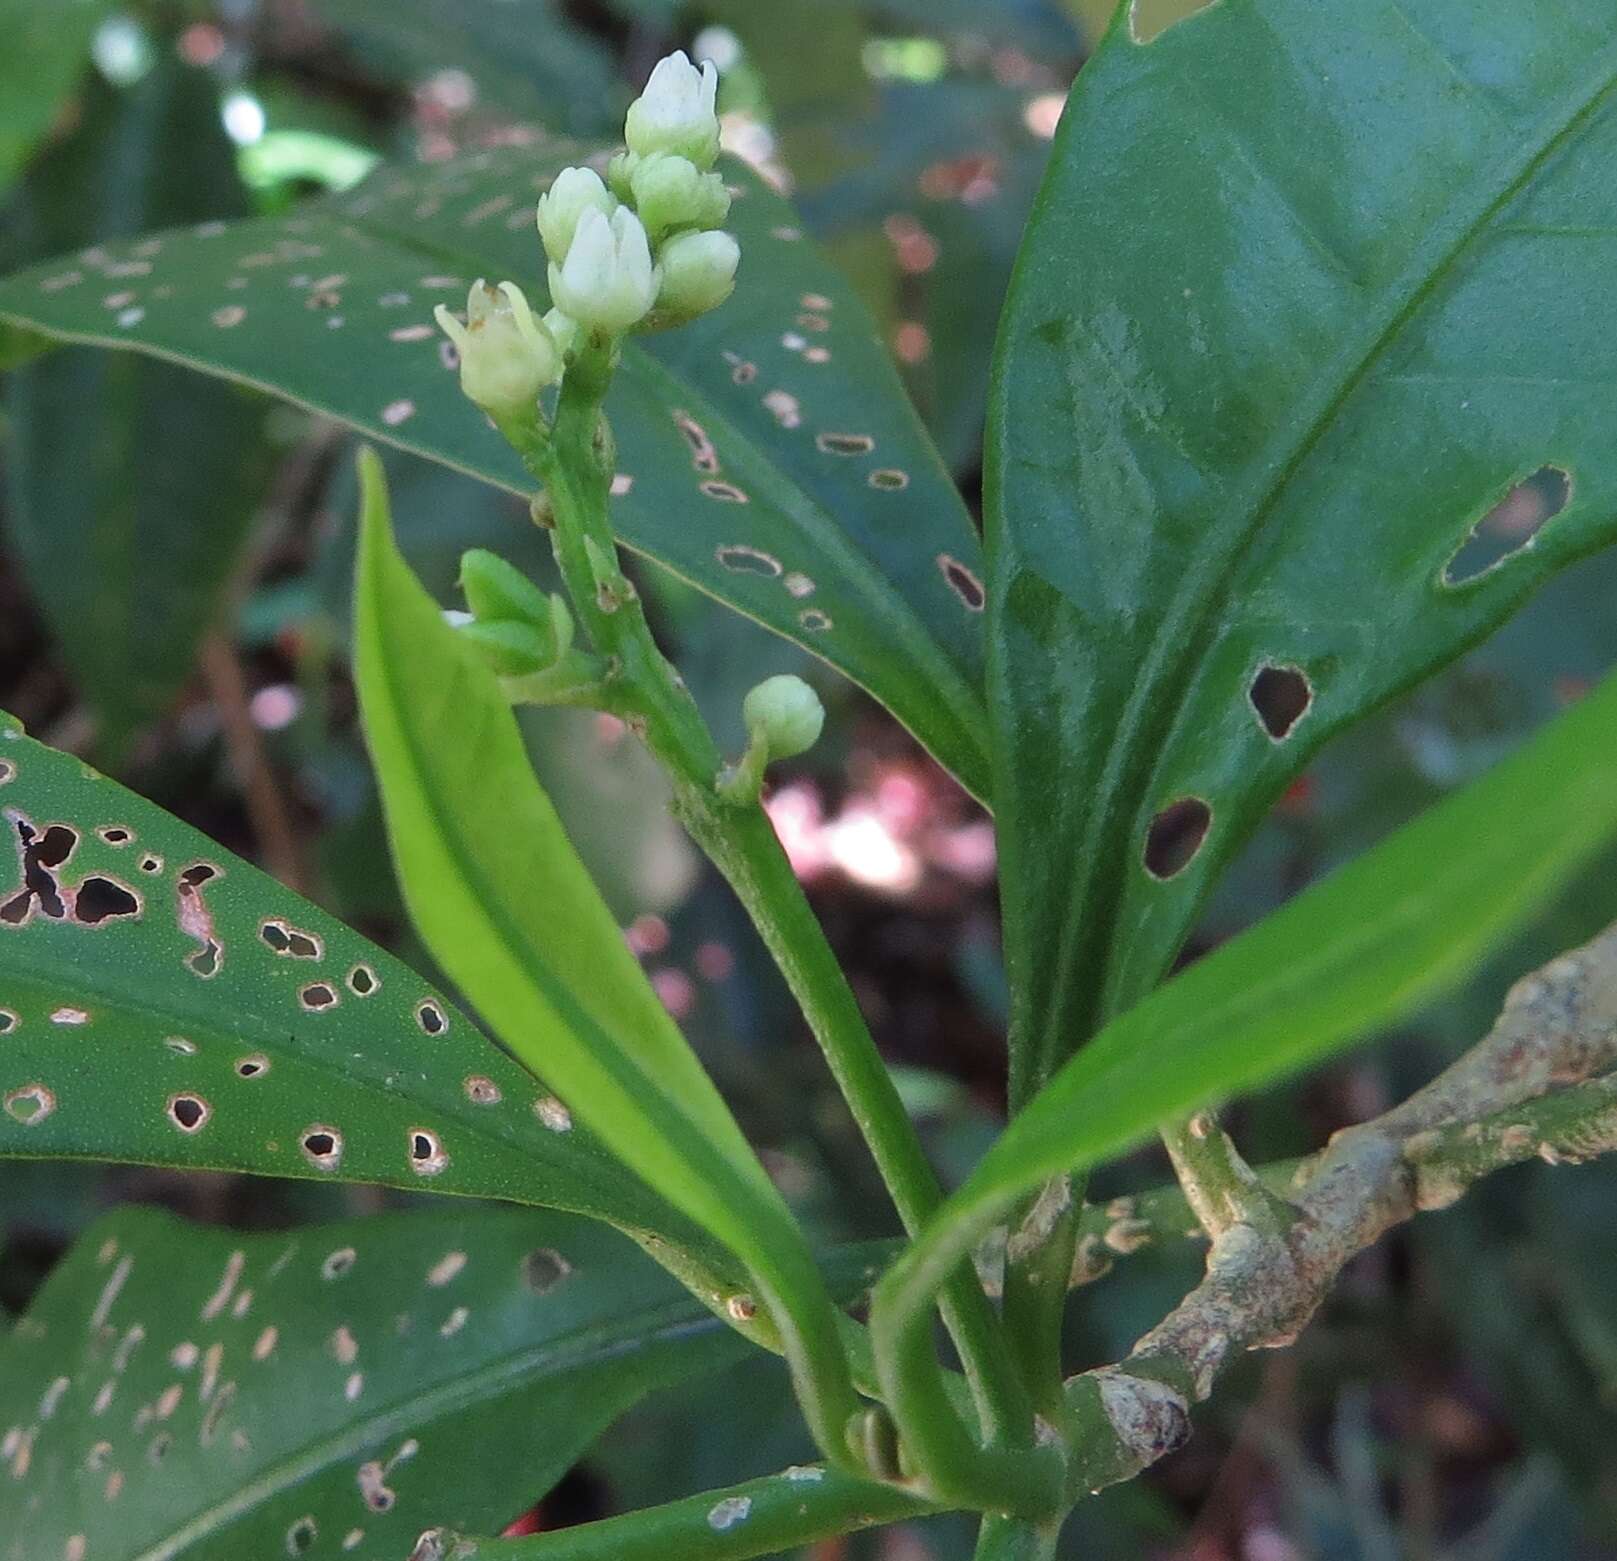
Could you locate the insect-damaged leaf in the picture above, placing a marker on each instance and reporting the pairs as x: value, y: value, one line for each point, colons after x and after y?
x: 766, y: 452
x: 1311, y: 288
x: 180, y: 1392
x: 165, y: 1003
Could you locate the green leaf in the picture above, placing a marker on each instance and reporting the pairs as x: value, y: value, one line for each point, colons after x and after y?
x: 522, y: 59
x: 1345, y: 958
x: 164, y: 1003
x: 499, y: 896
x: 1310, y: 287
x: 182, y: 1392
x: 47, y: 49
x: 766, y: 453
x: 130, y: 484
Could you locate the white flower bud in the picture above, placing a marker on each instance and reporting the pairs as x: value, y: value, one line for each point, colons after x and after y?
x: 575, y: 191
x: 698, y: 274
x: 620, y: 174
x: 506, y: 356
x: 676, y: 112
x: 785, y: 714
x: 607, y: 283
x: 672, y: 192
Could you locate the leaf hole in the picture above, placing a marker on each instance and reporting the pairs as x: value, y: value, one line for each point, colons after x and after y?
x: 704, y: 457
x: 1150, y: 19
x: 317, y: 996
x: 363, y: 981
x: 322, y: 1148
x: 338, y: 1263
x: 845, y: 444
x: 1281, y: 696
x: 253, y: 1067
x: 301, y: 1536
x: 543, y: 1269
x: 30, y: 1105
x: 285, y: 939
x: 198, y: 873
x: 889, y: 480
x: 189, y: 1113
x: 963, y: 583
x: 724, y: 492
x: 99, y: 900
x: 1512, y: 525
x: 741, y: 559
x: 431, y: 1017
x: 151, y: 864
x: 427, y: 1154
x: 815, y: 621
x: 1175, y: 836
x: 115, y: 834
x: 179, y: 1044
x: 8, y: 1021
x: 8, y: 771
x: 207, y: 960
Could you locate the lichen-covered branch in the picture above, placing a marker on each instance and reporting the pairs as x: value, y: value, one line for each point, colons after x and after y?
x: 1540, y: 1084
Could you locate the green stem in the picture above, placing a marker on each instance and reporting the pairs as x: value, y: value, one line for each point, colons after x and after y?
x: 1221, y: 1187
x: 1038, y: 1269
x: 743, y: 845
x: 1017, y: 1539
x: 757, y: 1518
x: 575, y: 465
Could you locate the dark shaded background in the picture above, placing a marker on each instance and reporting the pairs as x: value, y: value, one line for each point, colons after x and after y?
x: 174, y: 566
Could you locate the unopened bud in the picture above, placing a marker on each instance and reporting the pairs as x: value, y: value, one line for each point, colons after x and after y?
x: 671, y: 192
x: 698, y: 274
x: 785, y: 714
x: 676, y: 112
x: 512, y: 649
x: 575, y: 191
x: 607, y: 282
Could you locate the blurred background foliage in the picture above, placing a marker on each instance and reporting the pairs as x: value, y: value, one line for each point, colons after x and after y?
x: 174, y: 575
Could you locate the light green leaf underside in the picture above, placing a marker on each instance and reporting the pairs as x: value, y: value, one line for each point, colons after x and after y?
x: 1346, y: 957
x: 111, y: 1025
x: 1311, y: 285
x: 500, y: 897
x: 180, y: 1392
x: 766, y: 453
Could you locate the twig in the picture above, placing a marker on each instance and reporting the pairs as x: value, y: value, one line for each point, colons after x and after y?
x: 1538, y: 1085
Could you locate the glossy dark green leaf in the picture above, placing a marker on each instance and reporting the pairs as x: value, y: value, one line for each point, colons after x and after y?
x: 164, y: 1003
x: 1310, y: 288
x: 1348, y: 956
x: 766, y: 453
x: 182, y: 1392
x: 524, y: 58
x: 47, y: 49
x: 130, y: 484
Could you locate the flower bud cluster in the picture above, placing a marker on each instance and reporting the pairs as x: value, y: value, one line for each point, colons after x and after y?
x: 643, y: 248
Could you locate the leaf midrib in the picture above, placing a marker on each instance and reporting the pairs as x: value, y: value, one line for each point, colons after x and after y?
x: 1148, y: 721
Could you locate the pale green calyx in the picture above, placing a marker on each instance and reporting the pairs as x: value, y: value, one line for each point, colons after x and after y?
x: 607, y: 283
x: 676, y: 112
x: 698, y: 274
x: 575, y: 191
x: 671, y: 192
x: 506, y: 356
x: 563, y: 330
x: 784, y: 715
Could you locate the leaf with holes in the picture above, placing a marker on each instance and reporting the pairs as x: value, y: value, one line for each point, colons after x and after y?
x: 1312, y: 290
x: 766, y: 453
x: 180, y: 1392
x: 499, y: 896
x: 130, y: 574
x: 1348, y: 956
x: 164, y: 1003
